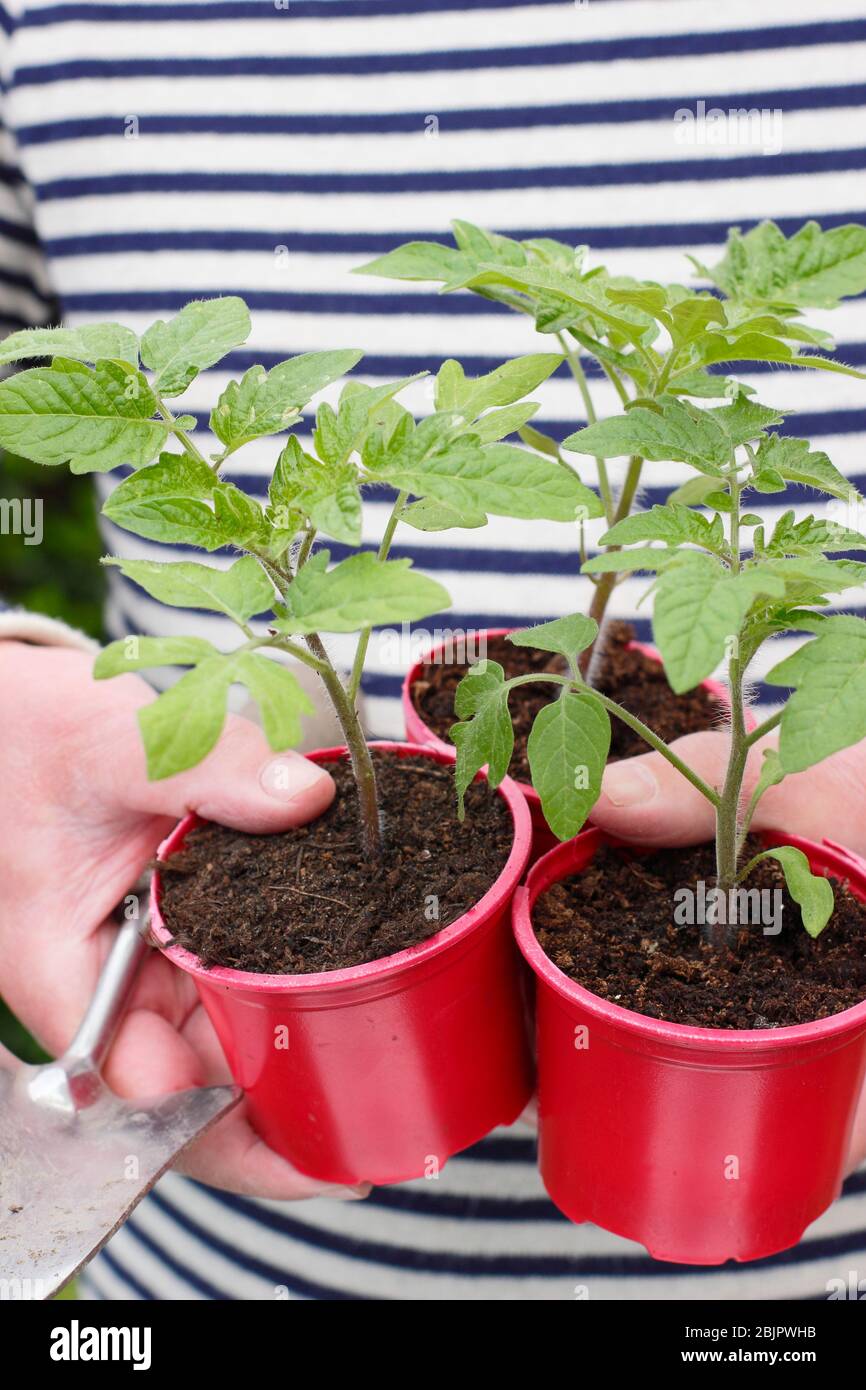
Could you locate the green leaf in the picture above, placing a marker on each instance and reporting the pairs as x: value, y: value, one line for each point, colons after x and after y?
x: 811, y: 269
x: 264, y: 403
x: 240, y: 591
x: 168, y: 501
x: 822, y: 575
x: 812, y: 892
x: 485, y: 738
x: 680, y: 432
x: 508, y: 383
x: 745, y: 419
x: 239, y: 517
x: 569, y: 636
x: 326, y: 494
x: 498, y: 479
x: 88, y: 343
x: 567, y: 751
x: 497, y: 424
x: 827, y: 711
x: 699, y: 608
x: 182, y: 725
x: 196, y: 338
x: 811, y: 536
x: 136, y: 653
x: 645, y: 558
x: 761, y: 347
x: 339, y: 433
x: 359, y: 592
x: 772, y: 773
x: 673, y: 524
x: 793, y: 460
x: 694, y: 491
x: 542, y: 443
x: 279, y: 695
x: 418, y: 260
x: 95, y: 420
x: 429, y: 515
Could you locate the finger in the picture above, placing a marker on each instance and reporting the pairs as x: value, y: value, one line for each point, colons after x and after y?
x: 647, y: 799
x: 233, y: 1157
x: 241, y: 783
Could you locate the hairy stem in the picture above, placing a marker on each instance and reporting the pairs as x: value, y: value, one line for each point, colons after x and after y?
x: 354, y: 682
x: 727, y: 837
x: 576, y: 368
x: 359, y: 752
x: 607, y: 582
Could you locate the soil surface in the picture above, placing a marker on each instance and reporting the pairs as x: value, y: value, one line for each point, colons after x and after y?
x: 612, y: 929
x: 632, y: 679
x: 307, y: 900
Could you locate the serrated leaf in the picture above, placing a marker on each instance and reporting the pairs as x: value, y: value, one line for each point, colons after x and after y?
x: 238, y: 517
x: 679, y: 432
x: 811, y: 269
x: 796, y: 462
x: 567, y: 751
x: 361, y: 591
x: 95, y: 419
x: 279, y: 695
x: 168, y: 501
x: 674, y: 524
x: 499, y: 479
x: 264, y: 403
x: 569, y: 636
x: 136, y: 653
x: 196, y: 338
x: 507, y: 383
x: 811, y: 536
x: 326, y: 494
x: 88, y: 343
x: 761, y: 347
x: 820, y: 574
x: 812, y: 892
x: 339, y: 433
x: 827, y: 711
x: 699, y: 608
x: 485, y: 736
x: 240, y: 591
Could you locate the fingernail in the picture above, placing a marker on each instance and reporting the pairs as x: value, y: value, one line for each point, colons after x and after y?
x: 629, y: 783
x: 346, y: 1194
x: 290, y: 776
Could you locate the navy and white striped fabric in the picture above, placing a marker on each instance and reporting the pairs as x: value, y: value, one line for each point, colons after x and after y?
x: 157, y: 151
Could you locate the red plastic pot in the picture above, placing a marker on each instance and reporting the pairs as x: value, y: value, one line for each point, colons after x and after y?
x: 641, y: 1122
x: 392, y: 1066
x: 543, y: 838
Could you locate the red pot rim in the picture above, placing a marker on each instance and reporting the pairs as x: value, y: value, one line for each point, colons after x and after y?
x: 843, y: 863
x: 410, y: 713
x: 498, y: 893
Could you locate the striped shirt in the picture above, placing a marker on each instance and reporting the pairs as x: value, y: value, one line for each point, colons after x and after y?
x: 153, y: 152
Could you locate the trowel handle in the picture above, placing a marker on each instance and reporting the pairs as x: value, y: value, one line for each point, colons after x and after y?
x: 95, y: 1032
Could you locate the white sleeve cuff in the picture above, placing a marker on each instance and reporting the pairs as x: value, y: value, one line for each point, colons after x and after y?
x: 20, y: 626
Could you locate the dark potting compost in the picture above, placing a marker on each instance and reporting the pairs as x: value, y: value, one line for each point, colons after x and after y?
x: 627, y: 676
x: 611, y: 928
x: 308, y: 900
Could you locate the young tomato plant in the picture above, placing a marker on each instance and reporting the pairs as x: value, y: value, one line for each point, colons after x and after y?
x: 103, y: 402
x: 723, y: 588
x: 652, y: 342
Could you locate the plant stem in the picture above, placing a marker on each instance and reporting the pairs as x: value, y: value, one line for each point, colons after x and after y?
x: 183, y: 437
x: 359, y: 752
x: 354, y: 683
x: 660, y: 746
x: 727, y: 811
x: 576, y: 368
x: 607, y: 582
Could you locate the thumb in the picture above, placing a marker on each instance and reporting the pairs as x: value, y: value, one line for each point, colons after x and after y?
x: 647, y: 799
x: 241, y: 783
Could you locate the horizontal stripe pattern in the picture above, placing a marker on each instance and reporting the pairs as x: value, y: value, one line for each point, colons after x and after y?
x: 151, y: 152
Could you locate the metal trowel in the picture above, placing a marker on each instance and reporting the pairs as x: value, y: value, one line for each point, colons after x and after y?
x: 74, y: 1158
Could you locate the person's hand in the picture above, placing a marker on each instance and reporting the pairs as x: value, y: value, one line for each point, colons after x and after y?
x: 646, y: 800
x: 79, y: 821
